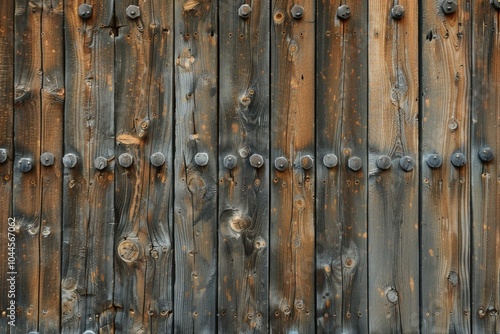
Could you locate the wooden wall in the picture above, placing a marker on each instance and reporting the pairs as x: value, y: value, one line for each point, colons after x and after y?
x: 203, y: 166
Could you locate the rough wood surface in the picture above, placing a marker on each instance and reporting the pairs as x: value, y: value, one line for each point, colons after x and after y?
x: 485, y: 174
x: 341, y: 194
x: 292, y: 294
x: 244, y: 189
x: 88, y: 207
x: 393, y: 193
x: 195, y: 208
x: 445, y: 199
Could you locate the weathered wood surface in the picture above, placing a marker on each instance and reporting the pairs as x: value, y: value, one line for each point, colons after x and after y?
x: 243, y: 189
x: 195, y: 207
x: 393, y: 193
x: 88, y: 206
x: 445, y: 191
x: 7, y: 144
x: 292, y: 294
x: 485, y: 174
x: 341, y: 121
x: 143, y: 192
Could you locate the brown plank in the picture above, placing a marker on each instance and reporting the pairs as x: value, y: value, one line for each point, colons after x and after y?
x: 292, y: 296
x: 445, y: 197
x: 244, y: 188
x: 341, y: 193
x: 88, y: 206
x: 7, y: 156
x: 393, y: 235
x: 144, y: 57
x: 195, y: 207
x: 485, y: 173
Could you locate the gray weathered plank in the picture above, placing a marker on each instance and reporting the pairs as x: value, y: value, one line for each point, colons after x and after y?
x: 195, y: 207
x: 88, y: 206
x: 485, y: 174
x: 341, y: 193
x: 244, y: 189
x: 445, y: 193
x: 292, y: 294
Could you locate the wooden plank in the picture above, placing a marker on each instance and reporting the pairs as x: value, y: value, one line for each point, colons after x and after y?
x: 393, y: 243
x: 88, y: 207
x: 7, y: 156
x: 144, y: 57
x: 485, y: 174
x: 292, y: 294
x: 27, y: 183
x: 195, y: 207
x: 341, y: 193
x: 244, y: 189
x: 445, y: 196
x: 51, y: 175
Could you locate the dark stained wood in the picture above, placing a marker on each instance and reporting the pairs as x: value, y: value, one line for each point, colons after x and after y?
x: 244, y: 190
x: 485, y: 175
x: 341, y: 194
x: 393, y: 193
x: 445, y: 196
x: 88, y: 207
x: 143, y: 193
x: 195, y: 208
x: 7, y: 143
x: 292, y: 294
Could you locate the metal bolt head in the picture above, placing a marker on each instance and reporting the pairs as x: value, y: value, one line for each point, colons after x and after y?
x: 458, y: 159
x: 25, y: 164
x: 133, y: 11
x: 70, y: 160
x: 256, y: 160
x: 297, y: 11
x: 407, y: 163
x: 343, y: 12
x: 495, y: 4
x: 88, y: 332
x: 230, y: 161
x: 449, y: 6
x: 434, y: 161
x: 244, y: 11
x: 384, y: 162
x: 281, y: 163
x: 47, y: 159
x: 201, y: 159
x: 330, y: 160
x: 392, y: 295
x: 486, y: 154
x: 3, y: 155
x: 354, y: 163
x: 85, y: 11
x: 125, y: 160
x: 397, y: 12
x: 100, y: 163
x: 157, y: 159
x: 306, y: 162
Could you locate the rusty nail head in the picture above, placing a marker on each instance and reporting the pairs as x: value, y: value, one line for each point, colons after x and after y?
x: 100, y: 163
x: 201, y: 159
x: 384, y: 162
x: 230, y: 161
x: 343, y: 12
x: 125, y: 160
x: 256, y: 160
x: 25, y: 165
x: 3, y: 155
x: 397, y: 12
x: 281, y: 163
x: 297, y: 11
x: 354, y: 163
x: 458, y: 159
x: 306, y: 162
x: 47, y: 159
x: 133, y: 11
x: 244, y: 11
x: 486, y: 154
x: 495, y: 4
x: 434, y: 161
x: 449, y: 6
x: 407, y: 163
x: 330, y: 160
x: 157, y: 159
x: 70, y: 160
x: 85, y: 11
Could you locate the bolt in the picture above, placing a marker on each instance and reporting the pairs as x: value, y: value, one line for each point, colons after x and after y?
x: 100, y: 163
x: 244, y: 11
x: 85, y: 11
x: 3, y: 155
x: 330, y: 160
x: 201, y: 159
x: 434, y: 161
x: 281, y: 163
x: 397, y: 12
x: 306, y: 162
x: 486, y: 154
x: 354, y: 163
x: 407, y: 163
x: 47, y: 159
x: 384, y: 162
x: 70, y: 160
x: 343, y: 12
x: 125, y: 160
x: 25, y: 165
x: 256, y: 160
x: 495, y: 4
x: 458, y: 159
x: 230, y: 161
x: 157, y: 159
x: 449, y: 6
x: 133, y: 11
x: 297, y: 11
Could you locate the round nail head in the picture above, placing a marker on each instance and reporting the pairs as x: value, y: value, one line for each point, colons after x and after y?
x: 100, y: 163
x: 133, y: 11
x: 84, y: 11
x: 434, y: 161
x: 330, y: 160
x: 354, y: 163
x: 458, y: 159
x: 384, y: 162
x: 125, y: 160
x: 281, y: 163
x: 486, y: 154
x: 47, y: 159
x: 397, y: 12
x: 70, y: 160
x: 25, y: 165
x: 256, y: 160
x: 449, y: 6
x: 297, y: 11
x: 3, y: 155
x: 157, y: 159
x: 244, y: 11
x: 407, y: 163
x: 201, y: 159
x: 230, y: 161
x: 343, y: 12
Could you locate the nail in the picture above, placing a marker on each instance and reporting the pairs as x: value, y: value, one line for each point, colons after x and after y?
x: 125, y: 160
x: 157, y: 159
x: 458, y: 159
x: 407, y: 163
x: 297, y: 11
x: 486, y: 154
x: 70, y: 160
x: 201, y: 159
x: 330, y: 160
x: 384, y: 162
x: 354, y: 163
x: 85, y: 11
x: 397, y: 12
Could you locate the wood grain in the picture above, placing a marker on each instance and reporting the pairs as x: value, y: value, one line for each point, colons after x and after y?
x: 292, y: 295
x: 244, y: 190
x: 393, y: 243
x: 195, y: 207
x: 341, y: 194
x: 445, y: 198
x: 485, y: 175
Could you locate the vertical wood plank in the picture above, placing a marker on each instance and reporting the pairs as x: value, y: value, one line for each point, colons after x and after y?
x: 485, y: 173
x: 244, y: 189
x: 88, y: 207
x: 445, y: 199
x: 341, y: 193
x: 6, y: 156
x: 195, y: 207
x: 393, y: 235
x: 27, y: 183
x: 52, y: 131
x: 292, y: 240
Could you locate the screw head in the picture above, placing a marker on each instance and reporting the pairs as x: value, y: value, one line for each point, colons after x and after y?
x: 85, y: 11
x: 201, y: 159
x: 100, y: 163
x: 70, y: 160
x: 157, y: 159
x: 230, y: 161
x: 256, y: 160
x: 486, y: 154
x: 458, y: 159
x: 343, y: 12
x: 495, y: 4
x: 434, y: 161
x: 306, y: 162
x: 25, y: 165
x: 330, y: 160
x: 3, y: 155
x: 281, y: 163
x: 47, y: 159
x: 397, y: 12
x: 125, y: 160
x: 384, y: 162
x: 449, y: 6
x: 354, y: 163
x: 297, y: 11
x: 407, y: 163
x: 133, y: 11
x: 244, y: 11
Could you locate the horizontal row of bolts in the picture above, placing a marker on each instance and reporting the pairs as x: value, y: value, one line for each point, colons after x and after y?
x: 297, y: 11
x: 330, y: 160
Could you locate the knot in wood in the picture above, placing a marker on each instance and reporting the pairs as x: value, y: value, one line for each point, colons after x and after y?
x: 453, y: 278
x: 240, y: 224
x: 128, y: 250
